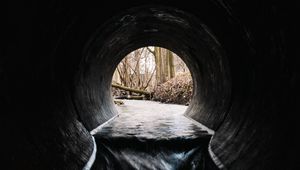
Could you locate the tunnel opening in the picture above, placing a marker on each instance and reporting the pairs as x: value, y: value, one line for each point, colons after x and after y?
x: 152, y: 74
x: 165, y: 27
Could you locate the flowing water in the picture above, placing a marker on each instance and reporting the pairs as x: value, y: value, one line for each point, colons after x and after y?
x: 154, y: 136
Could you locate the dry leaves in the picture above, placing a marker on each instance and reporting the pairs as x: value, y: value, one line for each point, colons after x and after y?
x: 177, y: 90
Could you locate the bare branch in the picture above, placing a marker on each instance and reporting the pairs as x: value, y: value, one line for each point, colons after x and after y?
x: 120, y: 75
x: 153, y: 52
x: 150, y: 78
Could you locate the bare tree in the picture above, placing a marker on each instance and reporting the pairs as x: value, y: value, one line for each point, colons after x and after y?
x: 138, y: 68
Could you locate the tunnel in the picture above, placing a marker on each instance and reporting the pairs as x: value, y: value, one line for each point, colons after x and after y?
x: 57, y: 67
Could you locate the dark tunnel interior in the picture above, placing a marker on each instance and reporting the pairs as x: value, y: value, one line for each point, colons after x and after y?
x: 56, y: 74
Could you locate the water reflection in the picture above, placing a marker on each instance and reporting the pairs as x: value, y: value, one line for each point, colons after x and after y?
x: 150, y: 135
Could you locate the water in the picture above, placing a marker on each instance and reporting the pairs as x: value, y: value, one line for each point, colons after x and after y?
x: 151, y: 135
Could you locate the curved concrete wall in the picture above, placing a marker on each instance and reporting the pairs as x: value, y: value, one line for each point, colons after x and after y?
x: 154, y: 26
x: 61, y: 58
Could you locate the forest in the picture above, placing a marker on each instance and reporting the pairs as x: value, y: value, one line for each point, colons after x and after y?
x: 153, y: 73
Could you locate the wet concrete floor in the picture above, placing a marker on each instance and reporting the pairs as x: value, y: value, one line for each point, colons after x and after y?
x: 151, y: 135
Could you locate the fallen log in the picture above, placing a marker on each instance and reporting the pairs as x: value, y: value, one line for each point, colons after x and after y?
x: 130, y: 89
x: 130, y: 97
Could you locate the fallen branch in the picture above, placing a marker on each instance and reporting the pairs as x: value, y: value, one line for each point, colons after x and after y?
x: 130, y: 97
x: 130, y: 89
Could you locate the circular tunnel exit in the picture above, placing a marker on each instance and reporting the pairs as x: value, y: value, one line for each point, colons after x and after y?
x: 169, y: 28
x: 152, y: 74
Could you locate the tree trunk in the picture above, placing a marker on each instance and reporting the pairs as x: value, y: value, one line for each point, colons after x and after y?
x: 165, y: 65
x: 158, y: 62
x: 171, y: 70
